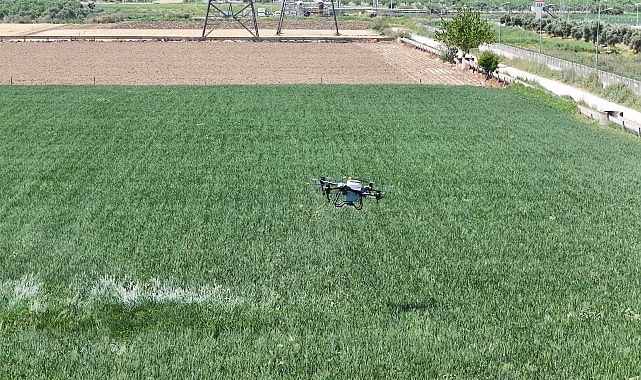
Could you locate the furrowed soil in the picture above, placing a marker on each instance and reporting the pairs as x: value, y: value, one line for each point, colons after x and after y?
x: 224, y: 62
x: 216, y: 62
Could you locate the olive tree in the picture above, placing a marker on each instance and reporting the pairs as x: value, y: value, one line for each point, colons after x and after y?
x: 466, y: 31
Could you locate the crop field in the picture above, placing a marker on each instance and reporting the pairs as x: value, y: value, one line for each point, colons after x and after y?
x: 174, y: 232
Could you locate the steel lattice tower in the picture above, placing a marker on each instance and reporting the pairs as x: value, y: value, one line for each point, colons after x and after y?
x: 282, y: 14
x: 229, y: 13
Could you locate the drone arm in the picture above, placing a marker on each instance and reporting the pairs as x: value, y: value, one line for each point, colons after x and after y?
x: 377, y: 194
x: 328, y: 187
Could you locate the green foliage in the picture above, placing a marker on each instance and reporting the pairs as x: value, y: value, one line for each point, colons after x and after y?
x: 608, y: 34
x: 18, y: 10
x: 150, y: 232
x: 488, y: 62
x: 621, y: 94
x: 591, y: 82
x: 566, y: 105
x: 624, y: 64
x: 618, y: 93
x: 465, y: 30
x: 153, y: 11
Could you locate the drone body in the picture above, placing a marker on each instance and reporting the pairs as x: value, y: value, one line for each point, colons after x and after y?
x: 350, y: 193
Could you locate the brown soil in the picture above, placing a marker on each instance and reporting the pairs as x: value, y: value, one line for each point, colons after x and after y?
x: 224, y: 62
x: 311, y: 23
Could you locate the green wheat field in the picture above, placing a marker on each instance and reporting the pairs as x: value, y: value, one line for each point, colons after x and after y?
x: 175, y: 232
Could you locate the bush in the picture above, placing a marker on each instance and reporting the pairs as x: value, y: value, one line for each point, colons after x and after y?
x: 448, y: 53
x: 593, y: 83
x: 568, y: 76
x: 488, y: 62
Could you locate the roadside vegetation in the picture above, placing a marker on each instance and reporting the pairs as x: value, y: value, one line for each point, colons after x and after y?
x: 608, y: 35
x: 617, y: 59
x: 115, y: 12
x: 574, y: 42
x: 618, y: 93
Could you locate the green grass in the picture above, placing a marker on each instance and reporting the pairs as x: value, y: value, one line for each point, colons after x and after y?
x: 619, y: 60
x: 618, y: 93
x: 171, y: 232
x: 154, y: 12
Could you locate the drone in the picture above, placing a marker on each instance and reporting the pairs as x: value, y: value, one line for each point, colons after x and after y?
x: 350, y: 192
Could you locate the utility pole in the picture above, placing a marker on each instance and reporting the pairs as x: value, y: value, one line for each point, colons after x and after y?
x: 540, y: 36
x: 598, y: 24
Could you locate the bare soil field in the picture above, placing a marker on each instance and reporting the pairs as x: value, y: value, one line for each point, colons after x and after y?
x: 312, y: 27
x: 216, y: 62
x: 223, y: 62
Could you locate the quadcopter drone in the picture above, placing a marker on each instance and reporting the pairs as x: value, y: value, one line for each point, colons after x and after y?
x: 349, y: 193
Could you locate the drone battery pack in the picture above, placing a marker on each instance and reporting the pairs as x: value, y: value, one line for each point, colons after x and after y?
x: 354, y: 185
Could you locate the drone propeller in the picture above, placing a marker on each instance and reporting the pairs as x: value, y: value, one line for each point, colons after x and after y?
x: 322, y: 180
x: 381, y: 190
x: 374, y: 192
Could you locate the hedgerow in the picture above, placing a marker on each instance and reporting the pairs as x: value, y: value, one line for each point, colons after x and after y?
x: 608, y: 34
x: 28, y: 10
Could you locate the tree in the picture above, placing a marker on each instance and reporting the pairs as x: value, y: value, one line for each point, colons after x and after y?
x: 635, y: 43
x: 466, y: 31
x: 488, y: 62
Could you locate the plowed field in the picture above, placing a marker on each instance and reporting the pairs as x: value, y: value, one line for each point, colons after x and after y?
x: 223, y: 62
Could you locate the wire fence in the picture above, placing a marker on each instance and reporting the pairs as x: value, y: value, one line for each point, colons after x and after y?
x: 606, y: 78
x: 603, y: 117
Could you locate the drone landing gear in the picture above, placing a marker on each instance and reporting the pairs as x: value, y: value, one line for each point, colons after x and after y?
x: 349, y: 198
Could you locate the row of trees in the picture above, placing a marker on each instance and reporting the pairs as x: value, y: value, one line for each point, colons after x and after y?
x: 608, y: 34
x: 18, y: 10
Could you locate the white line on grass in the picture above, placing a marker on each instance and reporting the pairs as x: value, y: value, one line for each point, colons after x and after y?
x: 28, y: 291
x: 21, y: 293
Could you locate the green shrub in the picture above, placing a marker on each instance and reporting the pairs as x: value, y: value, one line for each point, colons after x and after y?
x: 592, y: 83
x: 488, y: 62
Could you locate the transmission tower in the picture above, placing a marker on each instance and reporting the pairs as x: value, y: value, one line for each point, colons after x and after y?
x: 301, y: 8
x: 243, y: 15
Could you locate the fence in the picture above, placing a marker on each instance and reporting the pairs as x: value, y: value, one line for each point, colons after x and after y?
x: 627, y: 125
x: 605, y: 77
